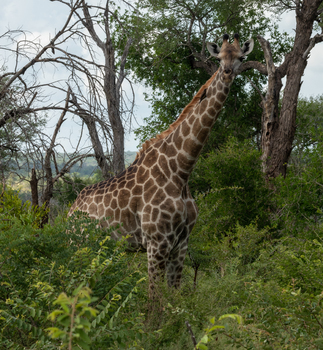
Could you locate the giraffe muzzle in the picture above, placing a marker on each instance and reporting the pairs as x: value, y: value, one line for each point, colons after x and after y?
x: 227, y: 76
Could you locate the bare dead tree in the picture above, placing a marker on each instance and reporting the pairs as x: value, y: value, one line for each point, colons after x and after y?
x: 279, y: 125
x: 23, y: 99
x: 92, y: 84
x: 34, y: 188
x: 91, y: 124
x: 110, y: 76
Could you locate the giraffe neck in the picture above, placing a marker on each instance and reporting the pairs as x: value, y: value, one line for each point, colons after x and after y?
x: 184, y: 145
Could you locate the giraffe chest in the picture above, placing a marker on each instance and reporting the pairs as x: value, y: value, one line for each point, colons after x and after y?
x: 162, y: 216
x: 147, y: 207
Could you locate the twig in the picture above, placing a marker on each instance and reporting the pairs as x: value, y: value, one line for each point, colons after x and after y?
x: 191, y: 333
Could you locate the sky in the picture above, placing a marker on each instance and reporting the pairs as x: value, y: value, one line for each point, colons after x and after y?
x: 43, y: 18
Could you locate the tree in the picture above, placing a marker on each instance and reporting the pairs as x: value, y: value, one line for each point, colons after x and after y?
x: 92, y: 90
x: 175, y: 64
x: 309, y: 130
x: 172, y: 60
x: 95, y: 84
x: 279, y: 123
x: 25, y: 147
x: 93, y: 19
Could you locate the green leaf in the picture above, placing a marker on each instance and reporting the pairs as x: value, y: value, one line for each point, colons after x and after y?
x: 215, y: 327
x: 84, y: 336
x: 236, y: 317
x: 204, y: 339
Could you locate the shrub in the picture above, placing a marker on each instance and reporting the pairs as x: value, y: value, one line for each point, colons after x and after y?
x: 72, y: 265
x: 12, y: 208
x: 234, y: 188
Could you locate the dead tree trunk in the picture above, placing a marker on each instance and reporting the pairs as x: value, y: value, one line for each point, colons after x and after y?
x: 113, y: 79
x: 90, y: 122
x: 278, y: 127
x: 34, y: 188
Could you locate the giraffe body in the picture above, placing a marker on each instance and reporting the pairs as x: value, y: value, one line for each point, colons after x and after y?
x: 151, y: 197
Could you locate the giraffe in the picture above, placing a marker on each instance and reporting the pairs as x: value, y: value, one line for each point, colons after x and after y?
x: 151, y: 197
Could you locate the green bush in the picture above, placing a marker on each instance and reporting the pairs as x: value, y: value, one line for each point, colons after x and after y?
x: 299, y: 197
x: 12, y: 208
x: 66, y: 190
x: 76, y: 266
x: 234, y: 206
x: 230, y: 183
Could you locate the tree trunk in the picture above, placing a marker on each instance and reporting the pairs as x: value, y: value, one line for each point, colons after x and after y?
x: 97, y: 146
x: 34, y: 188
x: 48, y: 193
x: 90, y: 122
x: 279, y: 128
x: 113, y: 79
x: 113, y: 102
x: 112, y: 94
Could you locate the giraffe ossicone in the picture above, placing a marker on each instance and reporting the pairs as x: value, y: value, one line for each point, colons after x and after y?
x: 151, y: 197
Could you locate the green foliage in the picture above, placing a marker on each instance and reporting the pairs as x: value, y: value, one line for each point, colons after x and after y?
x: 231, y: 188
x: 72, y: 265
x: 74, y: 317
x: 234, y: 208
x: 213, y: 330
x: 169, y: 58
x: 13, y: 209
x: 309, y: 125
x: 258, y: 252
x: 300, y: 195
x: 66, y: 190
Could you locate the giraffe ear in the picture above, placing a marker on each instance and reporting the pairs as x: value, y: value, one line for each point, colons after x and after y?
x: 213, y: 48
x: 247, y: 47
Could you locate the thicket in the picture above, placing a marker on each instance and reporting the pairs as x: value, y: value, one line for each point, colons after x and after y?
x: 253, y: 277
x: 65, y: 285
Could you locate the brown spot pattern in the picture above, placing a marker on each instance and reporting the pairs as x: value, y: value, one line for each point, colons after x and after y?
x: 207, y: 120
x: 221, y: 97
x: 178, y: 142
x: 170, y: 151
x: 172, y: 190
x: 151, y: 158
x: 149, y: 193
x: 163, y: 163
x: 203, y: 134
x: 137, y: 190
x: 123, y: 198
x: 159, y: 197
x: 185, y: 129
x: 184, y: 162
x: 192, y: 148
x: 142, y: 175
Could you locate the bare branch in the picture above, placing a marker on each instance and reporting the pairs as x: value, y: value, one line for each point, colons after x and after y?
x: 40, y: 53
x: 191, y: 333
x: 315, y: 40
x: 123, y: 63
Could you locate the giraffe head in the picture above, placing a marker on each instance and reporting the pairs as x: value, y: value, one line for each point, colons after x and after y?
x: 230, y: 56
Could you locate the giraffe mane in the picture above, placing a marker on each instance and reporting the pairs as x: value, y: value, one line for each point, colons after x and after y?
x: 178, y: 121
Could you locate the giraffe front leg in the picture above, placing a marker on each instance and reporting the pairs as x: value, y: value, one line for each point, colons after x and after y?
x: 157, y: 260
x: 175, y: 264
